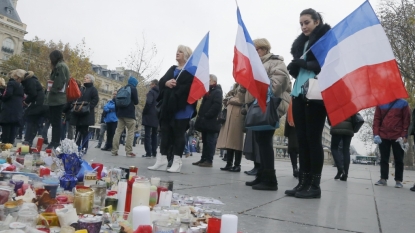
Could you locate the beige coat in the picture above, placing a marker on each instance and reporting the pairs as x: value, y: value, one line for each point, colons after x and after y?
x: 231, y: 134
x: 280, y: 79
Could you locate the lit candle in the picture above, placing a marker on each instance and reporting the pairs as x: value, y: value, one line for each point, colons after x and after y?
x: 229, y: 224
x: 141, y: 216
x: 155, y: 181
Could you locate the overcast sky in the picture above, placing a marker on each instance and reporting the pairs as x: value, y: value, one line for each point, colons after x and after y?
x: 111, y: 27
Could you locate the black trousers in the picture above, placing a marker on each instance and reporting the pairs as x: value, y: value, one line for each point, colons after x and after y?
x: 265, y: 145
x: 55, y: 116
x: 172, y: 136
x: 229, y: 157
x: 309, y: 119
x: 341, y: 156
x: 209, y: 140
x: 82, y: 139
x: 31, y: 128
x: 150, y: 140
x: 111, y: 127
x: 398, y: 153
x: 8, y: 133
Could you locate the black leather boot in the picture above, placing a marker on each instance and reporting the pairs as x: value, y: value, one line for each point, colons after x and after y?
x: 312, y: 190
x: 339, y: 173
x: 257, y: 179
x: 343, y: 177
x: 302, y: 182
x: 295, y: 172
x: 268, y: 181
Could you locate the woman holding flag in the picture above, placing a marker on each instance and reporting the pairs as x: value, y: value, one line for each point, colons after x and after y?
x: 174, y: 111
x: 309, y: 117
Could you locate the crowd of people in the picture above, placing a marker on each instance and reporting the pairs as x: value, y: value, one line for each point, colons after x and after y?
x: 170, y: 122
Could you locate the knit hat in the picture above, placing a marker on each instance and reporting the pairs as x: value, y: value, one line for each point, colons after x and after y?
x: 133, y: 81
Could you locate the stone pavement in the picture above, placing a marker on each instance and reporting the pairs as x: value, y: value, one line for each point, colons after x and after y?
x: 353, y: 206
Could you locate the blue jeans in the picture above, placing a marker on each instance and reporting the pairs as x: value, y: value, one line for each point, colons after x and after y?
x: 189, y: 141
x: 209, y: 140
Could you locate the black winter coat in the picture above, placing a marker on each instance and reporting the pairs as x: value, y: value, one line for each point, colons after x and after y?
x: 35, y: 96
x: 89, y: 94
x: 149, y: 111
x: 174, y: 99
x: 207, y: 120
x: 297, y: 49
x: 343, y: 128
x: 129, y: 111
x: 12, y: 104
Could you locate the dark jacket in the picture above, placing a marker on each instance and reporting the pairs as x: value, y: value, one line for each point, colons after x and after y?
x: 289, y: 132
x: 395, y: 123
x: 207, y: 120
x: 129, y: 111
x: 1, y: 94
x: 297, y: 49
x: 90, y: 94
x: 343, y: 128
x: 12, y: 104
x: 60, y: 77
x: 35, y: 96
x: 174, y: 99
x: 149, y: 111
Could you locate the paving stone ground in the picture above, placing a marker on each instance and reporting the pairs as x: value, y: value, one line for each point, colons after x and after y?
x: 353, y: 206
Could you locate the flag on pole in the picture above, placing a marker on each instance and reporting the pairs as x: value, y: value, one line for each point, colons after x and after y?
x: 198, y: 66
x: 247, y: 66
x: 358, y: 68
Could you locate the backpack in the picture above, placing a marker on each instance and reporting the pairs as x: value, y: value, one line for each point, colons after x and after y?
x: 123, y: 97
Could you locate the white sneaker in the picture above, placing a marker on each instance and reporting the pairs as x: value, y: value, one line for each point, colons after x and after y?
x: 177, y: 165
x: 161, y: 163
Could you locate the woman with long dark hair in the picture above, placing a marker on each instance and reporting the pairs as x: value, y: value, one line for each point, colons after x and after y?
x: 309, y: 117
x: 56, y: 94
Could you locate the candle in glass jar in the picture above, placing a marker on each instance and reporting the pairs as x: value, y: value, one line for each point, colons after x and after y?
x: 155, y: 181
x: 229, y: 223
x: 141, y: 193
x: 133, y: 172
x: 122, y: 194
x: 90, y: 178
x: 161, y: 189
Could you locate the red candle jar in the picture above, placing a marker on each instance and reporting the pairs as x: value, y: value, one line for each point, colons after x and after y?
x: 20, y: 160
x: 62, y: 199
x: 129, y: 193
x: 144, y: 229
x: 44, y: 171
x: 99, y: 167
x: 159, y: 190
x: 39, y: 144
x: 213, y: 225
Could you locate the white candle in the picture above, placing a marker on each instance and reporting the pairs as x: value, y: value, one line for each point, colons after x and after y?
x: 165, y: 198
x: 122, y: 194
x: 155, y: 181
x: 141, y: 216
x: 141, y: 193
x: 229, y: 223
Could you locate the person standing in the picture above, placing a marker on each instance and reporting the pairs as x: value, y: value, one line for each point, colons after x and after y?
x: 342, y: 132
x: 56, y: 94
x: 102, y: 129
x: 207, y: 121
x: 231, y: 134
x: 111, y: 120
x: 175, y: 113
x: 150, y: 120
x: 126, y: 117
x: 188, y: 137
x: 82, y: 122
x: 309, y: 117
x: 11, y: 116
x: 390, y: 126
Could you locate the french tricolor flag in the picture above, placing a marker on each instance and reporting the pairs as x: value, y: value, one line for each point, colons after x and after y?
x: 198, y: 66
x: 358, y: 68
x: 247, y: 66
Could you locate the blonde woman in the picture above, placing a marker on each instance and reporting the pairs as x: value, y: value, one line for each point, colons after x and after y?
x: 11, y: 115
x: 175, y: 113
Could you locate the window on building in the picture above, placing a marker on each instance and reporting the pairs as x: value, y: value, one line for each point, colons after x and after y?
x: 7, y: 48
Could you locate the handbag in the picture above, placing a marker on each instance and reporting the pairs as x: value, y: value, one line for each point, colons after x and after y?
x: 256, y: 120
x: 222, y: 116
x: 80, y: 108
x: 72, y: 92
x: 311, y: 91
x: 357, y: 122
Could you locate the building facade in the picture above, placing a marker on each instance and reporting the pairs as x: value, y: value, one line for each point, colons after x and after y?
x: 12, y: 30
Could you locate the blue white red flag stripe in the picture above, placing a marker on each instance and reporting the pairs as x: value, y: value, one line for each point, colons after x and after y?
x: 358, y: 68
x: 198, y: 66
x: 248, y: 69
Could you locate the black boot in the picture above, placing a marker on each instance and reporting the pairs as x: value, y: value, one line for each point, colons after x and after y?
x: 302, y: 182
x: 235, y: 169
x: 257, y: 179
x: 343, y: 177
x: 237, y: 163
x: 339, y: 173
x: 229, y: 160
x: 268, y: 181
x: 227, y: 167
x: 295, y: 172
x: 254, y: 170
x: 312, y: 190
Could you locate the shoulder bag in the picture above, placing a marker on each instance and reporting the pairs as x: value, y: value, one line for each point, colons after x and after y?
x: 80, y: 108
x: 357, y: 122
x: 256, y: 120
x: 311, y: 91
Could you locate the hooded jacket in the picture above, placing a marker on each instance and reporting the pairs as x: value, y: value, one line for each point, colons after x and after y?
x: 129, y: 111
x: 35, y: 96
x: 109, y: 109
x: 149, y: 111
x: 207, y: 120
